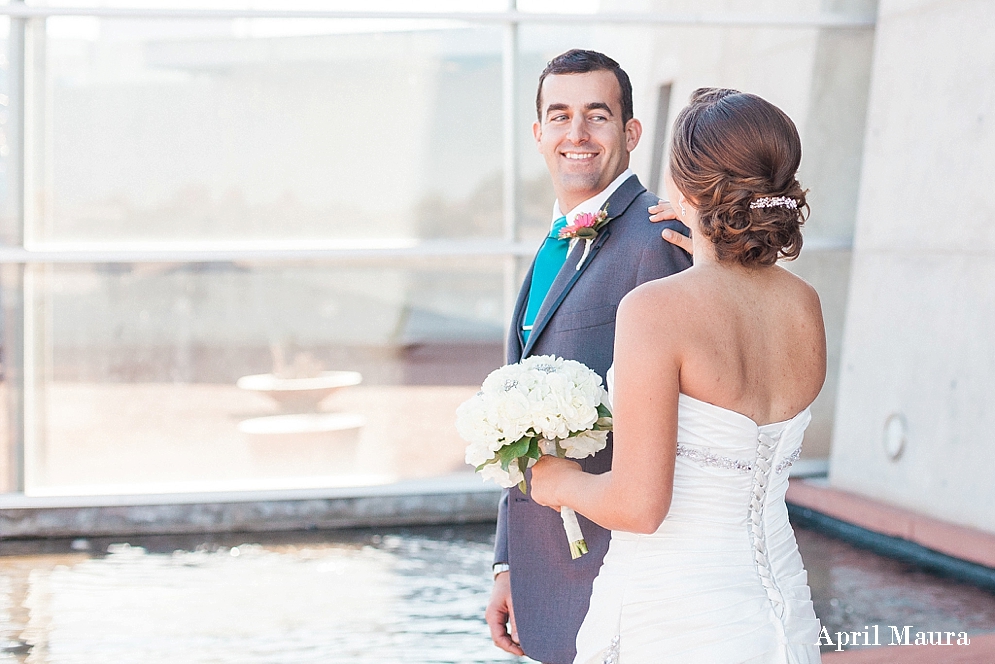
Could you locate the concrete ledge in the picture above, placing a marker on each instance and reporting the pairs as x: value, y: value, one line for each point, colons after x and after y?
x: 895, y: 547
x: 960, y: 542
x: 809, y: 468
x: 460, y: 498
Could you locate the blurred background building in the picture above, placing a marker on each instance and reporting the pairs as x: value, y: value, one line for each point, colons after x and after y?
x: 194, y: 194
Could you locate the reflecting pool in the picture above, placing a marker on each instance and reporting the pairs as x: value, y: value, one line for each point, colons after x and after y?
x: 413, y: 595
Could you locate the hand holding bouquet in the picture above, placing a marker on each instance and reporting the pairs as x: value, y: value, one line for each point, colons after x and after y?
x: 541, y: 405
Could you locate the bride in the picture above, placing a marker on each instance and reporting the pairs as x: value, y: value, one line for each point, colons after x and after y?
x: 714, y: 371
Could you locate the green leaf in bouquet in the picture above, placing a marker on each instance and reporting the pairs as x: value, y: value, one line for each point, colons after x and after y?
x: 486, y: 463
x: 534, y: 452
x: 512, y: 451
x: 603, y: 411
x: 603, y: 424
x: 560, y: 452
x: 523, y: 464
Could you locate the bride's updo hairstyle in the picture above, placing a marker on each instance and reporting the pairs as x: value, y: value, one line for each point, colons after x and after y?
x: 731, y: 150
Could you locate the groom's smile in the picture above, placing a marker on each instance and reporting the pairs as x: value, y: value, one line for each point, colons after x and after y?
x: 581, y: 134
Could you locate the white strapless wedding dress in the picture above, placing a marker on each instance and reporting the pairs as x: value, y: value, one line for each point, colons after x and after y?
x: 721, y: 581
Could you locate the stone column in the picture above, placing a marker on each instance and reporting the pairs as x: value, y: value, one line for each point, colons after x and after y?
x: 915, y: 417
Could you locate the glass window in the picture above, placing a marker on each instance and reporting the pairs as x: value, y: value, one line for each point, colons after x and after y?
x: 286, y: 129
x: 371, y: 152
x: 161, y: 377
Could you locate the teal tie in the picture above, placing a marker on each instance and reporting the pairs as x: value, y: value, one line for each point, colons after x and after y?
x: 551, y: 257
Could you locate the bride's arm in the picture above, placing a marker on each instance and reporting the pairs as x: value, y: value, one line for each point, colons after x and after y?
x: 635, y: 495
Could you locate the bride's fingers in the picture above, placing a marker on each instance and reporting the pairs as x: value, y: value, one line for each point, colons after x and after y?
x: 682, y: 241
x: 662, y: 211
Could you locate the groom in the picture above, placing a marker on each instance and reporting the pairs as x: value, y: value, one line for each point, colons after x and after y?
x: 566, y: 307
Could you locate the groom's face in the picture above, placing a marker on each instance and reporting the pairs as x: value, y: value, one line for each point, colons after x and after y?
x: 581, y: 134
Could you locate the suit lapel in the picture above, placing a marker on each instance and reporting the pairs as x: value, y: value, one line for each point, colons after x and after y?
x: 568, y: 275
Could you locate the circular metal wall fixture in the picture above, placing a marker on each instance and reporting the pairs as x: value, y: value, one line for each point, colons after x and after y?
x: 895, y: 435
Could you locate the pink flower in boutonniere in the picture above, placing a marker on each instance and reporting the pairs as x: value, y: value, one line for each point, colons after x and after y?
x: 585, y: 227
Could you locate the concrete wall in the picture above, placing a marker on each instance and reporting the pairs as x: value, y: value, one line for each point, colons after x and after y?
x: 919, y: 342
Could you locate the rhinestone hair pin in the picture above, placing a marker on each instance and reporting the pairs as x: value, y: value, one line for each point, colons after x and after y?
x: 774, y: 201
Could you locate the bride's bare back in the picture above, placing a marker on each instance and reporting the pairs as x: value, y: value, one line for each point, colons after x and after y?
x: 749, y: 340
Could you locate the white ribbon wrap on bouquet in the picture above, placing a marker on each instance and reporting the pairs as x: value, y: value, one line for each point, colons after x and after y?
x: 571, y: 525
x: 578, y: 546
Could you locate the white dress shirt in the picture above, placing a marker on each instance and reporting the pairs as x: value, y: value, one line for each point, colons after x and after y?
x: 594, y: 203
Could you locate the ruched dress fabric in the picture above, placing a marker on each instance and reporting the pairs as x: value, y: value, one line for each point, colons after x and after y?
x: 721, y: 581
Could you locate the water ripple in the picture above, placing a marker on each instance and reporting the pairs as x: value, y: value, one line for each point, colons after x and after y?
x: 398, y: 598
x: 415, y: 596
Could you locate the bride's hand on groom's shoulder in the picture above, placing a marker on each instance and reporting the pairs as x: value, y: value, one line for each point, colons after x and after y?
x: 664, y: 211
x: 548, y: 475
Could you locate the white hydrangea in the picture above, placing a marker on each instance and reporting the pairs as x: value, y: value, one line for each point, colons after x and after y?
x: 473, y: 422
x: 493, y: 420
x: 585, y: 444
x: 478, y: 453
x: 505, y: 478
x: 542, y: 396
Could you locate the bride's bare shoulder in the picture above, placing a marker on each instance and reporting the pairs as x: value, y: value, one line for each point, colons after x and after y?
x: 658, y: 305
x: 800, y: 291
x: 652, y: 294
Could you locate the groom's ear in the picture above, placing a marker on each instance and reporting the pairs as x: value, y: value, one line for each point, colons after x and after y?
x: 537, y: 131
x: 633, y: 132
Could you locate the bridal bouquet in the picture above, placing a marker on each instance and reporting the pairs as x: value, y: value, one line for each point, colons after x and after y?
x: 541, y: 405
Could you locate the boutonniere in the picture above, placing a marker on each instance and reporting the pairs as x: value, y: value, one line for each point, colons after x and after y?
x: 585, y: 227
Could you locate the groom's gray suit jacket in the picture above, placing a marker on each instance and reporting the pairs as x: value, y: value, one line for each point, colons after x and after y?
x: 551, y: 592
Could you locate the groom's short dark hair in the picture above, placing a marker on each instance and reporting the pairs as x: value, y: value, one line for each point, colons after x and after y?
x: 579, y: 61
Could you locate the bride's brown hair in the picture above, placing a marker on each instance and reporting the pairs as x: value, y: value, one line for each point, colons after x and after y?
x: 729, y: 149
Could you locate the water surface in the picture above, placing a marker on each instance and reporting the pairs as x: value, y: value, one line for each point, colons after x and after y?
x: 412, y: 595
